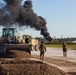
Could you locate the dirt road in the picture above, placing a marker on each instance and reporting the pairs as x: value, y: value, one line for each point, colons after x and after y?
x: 55, y: 57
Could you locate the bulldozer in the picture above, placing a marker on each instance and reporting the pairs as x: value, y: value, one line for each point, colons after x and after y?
x: 13, y: 40
x: 27, y: 39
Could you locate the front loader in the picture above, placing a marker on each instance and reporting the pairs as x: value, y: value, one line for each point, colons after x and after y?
x: 13, y: 40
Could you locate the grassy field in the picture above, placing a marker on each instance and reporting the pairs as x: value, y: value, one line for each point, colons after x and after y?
x: 72, y: 47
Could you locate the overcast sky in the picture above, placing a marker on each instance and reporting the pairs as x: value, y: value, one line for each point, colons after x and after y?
x: 59, y: 14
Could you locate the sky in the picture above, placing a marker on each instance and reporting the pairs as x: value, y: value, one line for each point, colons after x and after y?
x: 60, y: 16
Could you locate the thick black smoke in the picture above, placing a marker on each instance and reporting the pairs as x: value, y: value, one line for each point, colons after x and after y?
x: 13, y: 12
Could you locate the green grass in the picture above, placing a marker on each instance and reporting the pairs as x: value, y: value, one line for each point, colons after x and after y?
x: 54, y: 46
x: 72, y: 47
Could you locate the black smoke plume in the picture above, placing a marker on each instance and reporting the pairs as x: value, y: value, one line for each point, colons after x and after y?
x: 13, y: 12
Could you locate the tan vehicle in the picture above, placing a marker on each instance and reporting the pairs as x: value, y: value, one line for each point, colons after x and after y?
x: 27, y: 39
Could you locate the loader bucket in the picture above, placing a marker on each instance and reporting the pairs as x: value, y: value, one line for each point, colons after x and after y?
x: 24, y: 47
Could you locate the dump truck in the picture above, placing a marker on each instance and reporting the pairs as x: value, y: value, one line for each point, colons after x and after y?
x: 13, y: 40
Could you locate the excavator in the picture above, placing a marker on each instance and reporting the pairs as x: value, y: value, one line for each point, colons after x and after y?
x: 13, y: 40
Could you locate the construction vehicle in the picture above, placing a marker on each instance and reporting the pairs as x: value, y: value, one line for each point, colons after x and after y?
x: 27, y: 39
x: 13, y: 40
x: 11, y: 35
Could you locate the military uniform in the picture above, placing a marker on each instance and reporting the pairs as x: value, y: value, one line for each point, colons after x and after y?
x: 42, y: 50
x: 64, y: 50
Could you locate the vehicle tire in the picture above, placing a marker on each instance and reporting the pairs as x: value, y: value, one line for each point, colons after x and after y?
x: 33, y: 48
x: 37, y: 47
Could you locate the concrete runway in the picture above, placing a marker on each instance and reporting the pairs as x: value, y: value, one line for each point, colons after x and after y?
x: 57, y: 52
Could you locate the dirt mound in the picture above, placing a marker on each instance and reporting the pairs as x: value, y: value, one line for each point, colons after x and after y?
x: 17, y: 54
x: 17, y: 63
x: 28, y: 67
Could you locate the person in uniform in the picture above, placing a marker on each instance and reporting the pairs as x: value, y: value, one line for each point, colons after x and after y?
x: 64, y: 46
x: 42, y: 50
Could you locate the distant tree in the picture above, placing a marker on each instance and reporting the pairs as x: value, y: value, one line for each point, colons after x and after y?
x: 39, y: 38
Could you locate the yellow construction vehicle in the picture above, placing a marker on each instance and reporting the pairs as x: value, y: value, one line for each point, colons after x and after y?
x: 13, y: 40
x: 27, y: 39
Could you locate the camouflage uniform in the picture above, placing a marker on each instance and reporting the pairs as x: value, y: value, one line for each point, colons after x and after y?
x: 64, y: 49
x: 42, y: 50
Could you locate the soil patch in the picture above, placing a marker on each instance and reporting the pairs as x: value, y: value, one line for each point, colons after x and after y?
x: 17, y: 54
x: 60, y: 62
x: 28, y: 67
x: 14, y: 64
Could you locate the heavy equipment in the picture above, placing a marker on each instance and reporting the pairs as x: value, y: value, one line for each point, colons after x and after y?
x: 13, y: 40
x: 11, y: 35
x: 27, y: 39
